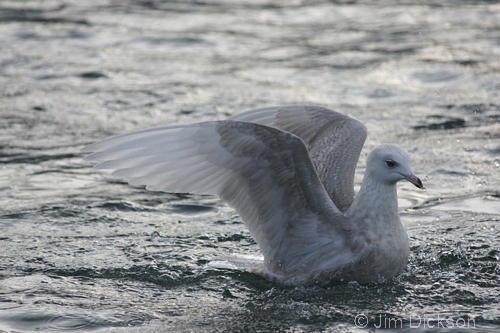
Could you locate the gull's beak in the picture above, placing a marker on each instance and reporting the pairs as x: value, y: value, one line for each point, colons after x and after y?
x: 415, y: 181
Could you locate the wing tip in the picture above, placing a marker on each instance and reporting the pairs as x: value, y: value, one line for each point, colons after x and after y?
x: 87, y: 149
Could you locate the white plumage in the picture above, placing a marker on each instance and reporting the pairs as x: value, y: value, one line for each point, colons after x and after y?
x: 285, y: 170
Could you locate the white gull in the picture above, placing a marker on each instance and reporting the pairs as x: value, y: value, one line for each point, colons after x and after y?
x: 289, y: 173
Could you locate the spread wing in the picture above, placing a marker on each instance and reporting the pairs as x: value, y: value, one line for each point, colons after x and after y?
x: 264, y: 173
x: 334, y: 141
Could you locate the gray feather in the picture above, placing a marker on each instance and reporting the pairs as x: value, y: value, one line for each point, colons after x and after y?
x: 266, y: 174
x: 334, y: 142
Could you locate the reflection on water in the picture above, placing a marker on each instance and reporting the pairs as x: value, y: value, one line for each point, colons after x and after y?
x: 84, y: 251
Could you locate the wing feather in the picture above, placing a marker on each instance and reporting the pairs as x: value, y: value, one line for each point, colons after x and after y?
x: 334, y: 141
x: 265, y: 173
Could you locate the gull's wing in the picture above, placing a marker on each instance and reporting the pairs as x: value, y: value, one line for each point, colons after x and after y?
x: 264, y: 173
x: 334, y: 141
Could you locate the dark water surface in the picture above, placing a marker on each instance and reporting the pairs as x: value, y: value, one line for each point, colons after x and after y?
x: 81, y: 250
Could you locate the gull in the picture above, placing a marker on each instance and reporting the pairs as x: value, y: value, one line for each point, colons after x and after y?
x: 288, y: 171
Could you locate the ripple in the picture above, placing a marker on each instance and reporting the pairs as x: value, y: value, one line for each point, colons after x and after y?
x: 92, y: 75
x: 436, y: 76
x: 439, y: 122
x: 74, y: 321
x: 484, y: 204
x: 39, y: 320
x: 168, y: 42
x: 481, y: 202
x: 183, y: 209
x: 6, y: 158
x: 122, y: 206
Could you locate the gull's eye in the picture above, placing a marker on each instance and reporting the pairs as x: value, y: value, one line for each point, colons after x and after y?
x: 390, y: 163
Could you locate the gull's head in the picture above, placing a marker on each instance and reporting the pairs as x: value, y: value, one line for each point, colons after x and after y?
x: 390, y: 164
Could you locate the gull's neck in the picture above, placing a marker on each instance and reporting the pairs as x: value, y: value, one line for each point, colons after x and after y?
x: 375, y: 199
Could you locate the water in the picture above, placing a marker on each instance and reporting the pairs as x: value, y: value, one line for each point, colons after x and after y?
x: 83, y: 251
